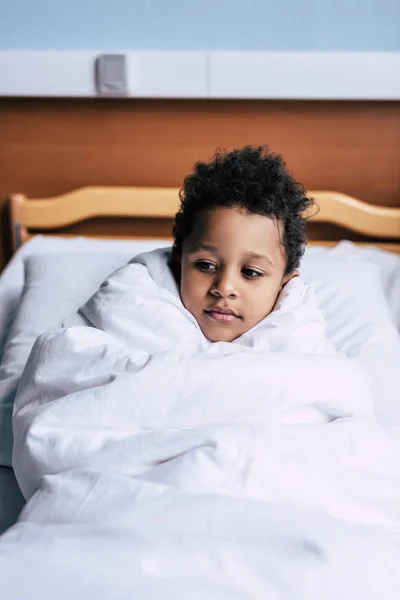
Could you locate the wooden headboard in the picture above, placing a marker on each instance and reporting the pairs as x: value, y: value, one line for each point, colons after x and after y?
x: 380, y: 225
x: 51, y: 146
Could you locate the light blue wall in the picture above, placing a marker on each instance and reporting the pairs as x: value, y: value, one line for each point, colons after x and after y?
x: 314, y: 25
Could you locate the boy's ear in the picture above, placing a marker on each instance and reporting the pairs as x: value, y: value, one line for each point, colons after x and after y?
x: 288, y: 277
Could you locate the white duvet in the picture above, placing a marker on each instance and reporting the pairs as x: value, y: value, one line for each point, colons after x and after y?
x: 158, y: 465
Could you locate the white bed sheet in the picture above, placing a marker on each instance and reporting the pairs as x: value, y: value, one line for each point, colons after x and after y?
x: 11, y: 286
x: 195, y: 486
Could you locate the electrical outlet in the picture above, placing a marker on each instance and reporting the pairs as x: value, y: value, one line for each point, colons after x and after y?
x: 110, y: 75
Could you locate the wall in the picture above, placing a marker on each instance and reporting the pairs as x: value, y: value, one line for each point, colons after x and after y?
x: 299, y: 25
x: 49, y: 147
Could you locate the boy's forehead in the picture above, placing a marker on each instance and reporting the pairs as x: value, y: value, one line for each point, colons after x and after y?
x: 236, y: 227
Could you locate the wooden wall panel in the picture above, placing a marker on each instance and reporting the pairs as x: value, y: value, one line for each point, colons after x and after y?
x: 51, y: 146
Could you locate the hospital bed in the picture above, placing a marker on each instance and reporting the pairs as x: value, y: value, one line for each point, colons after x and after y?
x: 53, y: 271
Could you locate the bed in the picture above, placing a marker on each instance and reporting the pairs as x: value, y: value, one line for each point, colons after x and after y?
x: 53, y: 271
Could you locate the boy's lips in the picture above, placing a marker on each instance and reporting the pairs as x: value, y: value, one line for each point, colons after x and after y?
x: 222, y: 314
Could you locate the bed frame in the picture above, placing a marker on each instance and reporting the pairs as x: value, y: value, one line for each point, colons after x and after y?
x: 379, y: 225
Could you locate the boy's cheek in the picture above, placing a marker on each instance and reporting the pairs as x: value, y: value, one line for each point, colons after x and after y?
x: 193, y: 287
x: 188, y: 297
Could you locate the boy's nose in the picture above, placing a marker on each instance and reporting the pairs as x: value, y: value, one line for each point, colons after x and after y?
x: 224, y: 286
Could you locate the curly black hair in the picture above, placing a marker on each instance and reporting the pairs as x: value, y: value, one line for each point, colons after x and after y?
x: 253, y: 179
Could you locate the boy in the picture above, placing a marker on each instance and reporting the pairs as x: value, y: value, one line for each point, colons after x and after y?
x: 238, y: 239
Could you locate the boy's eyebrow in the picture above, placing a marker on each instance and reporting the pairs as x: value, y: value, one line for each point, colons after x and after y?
x: 257, y: 256
x: 249, y: 254
x: 202, y: 246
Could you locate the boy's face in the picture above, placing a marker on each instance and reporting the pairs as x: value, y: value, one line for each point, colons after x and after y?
x: 232, y: 270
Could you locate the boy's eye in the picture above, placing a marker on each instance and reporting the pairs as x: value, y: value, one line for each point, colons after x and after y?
x: 206, y: 266
x: 251, y: 273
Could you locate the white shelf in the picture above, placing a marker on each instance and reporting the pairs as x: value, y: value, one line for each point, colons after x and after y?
x: 225, y: 75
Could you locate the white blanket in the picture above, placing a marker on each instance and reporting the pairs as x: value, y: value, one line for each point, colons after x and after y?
x: 158, y: 465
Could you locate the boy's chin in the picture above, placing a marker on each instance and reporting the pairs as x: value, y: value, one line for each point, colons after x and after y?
x: 220, y: 334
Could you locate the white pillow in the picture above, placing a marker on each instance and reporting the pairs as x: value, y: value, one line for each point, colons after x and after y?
x: 359, y: 324
x: 12, y: 278
x: 389, y: 264
x: 348, y: 293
